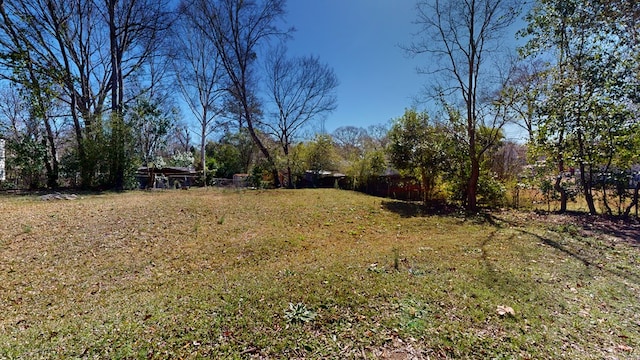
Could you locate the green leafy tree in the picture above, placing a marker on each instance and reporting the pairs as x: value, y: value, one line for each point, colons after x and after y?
x: 150, y: 126
x: 234, y: 153
x: 26, y: 157
x: 585, y: 117
x: 228, y: 160
x: 420, y: 148
x: 321, y: 154
x: 365, y: 169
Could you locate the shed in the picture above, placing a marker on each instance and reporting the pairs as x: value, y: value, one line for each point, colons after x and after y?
x: 165, y: 177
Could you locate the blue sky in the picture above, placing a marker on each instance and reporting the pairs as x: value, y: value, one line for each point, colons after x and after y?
x: 359, y: 39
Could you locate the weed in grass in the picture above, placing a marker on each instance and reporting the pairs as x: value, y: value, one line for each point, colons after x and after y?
x: 196, y: 228
x: 570, y: 229
x: 221, y: 220
x: 27, y: 229
x: 374, y: 268
x: 298, y: 313
x: 396, y: 259
x: 412, y: 315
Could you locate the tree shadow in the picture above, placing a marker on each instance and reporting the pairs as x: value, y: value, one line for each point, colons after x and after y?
x: 589, y: 226
x: 410, y: 209
x: 627, y: 230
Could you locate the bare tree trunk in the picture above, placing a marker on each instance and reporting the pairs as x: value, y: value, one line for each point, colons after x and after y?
x: 117, y: 122
x: 586, y: 189
x: 472, y: 188
x: 563, y: 192
x: 203, y: 144
x: 285, y: 149
x: 634, y: 202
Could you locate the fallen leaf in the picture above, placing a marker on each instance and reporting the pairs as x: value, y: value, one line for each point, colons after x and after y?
x: 505, y: 310
x: 625, y: 348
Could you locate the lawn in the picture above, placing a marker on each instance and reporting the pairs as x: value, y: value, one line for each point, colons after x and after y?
x: 293, y: 274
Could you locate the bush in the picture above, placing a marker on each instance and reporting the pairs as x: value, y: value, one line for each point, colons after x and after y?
x: 7, y: 185
x: 260, y: 177
x: 491, y: 191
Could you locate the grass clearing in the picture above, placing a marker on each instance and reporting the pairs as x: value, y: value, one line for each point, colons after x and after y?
x: 311, y: 274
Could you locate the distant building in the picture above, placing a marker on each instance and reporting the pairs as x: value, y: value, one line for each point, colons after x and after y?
x: 165, y: 177
x: 240, y: 180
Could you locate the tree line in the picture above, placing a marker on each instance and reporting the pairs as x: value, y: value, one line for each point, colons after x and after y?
x: 91, y: 91
x: 573, y: 88
x: 90, y: 85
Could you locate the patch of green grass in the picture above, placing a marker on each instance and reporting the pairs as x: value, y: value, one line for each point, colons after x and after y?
x: 159, y: 275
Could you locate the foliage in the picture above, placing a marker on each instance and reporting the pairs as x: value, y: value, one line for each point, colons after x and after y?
x: 461, y: 39
x: 181, y: 159
x: 260, y: 175
x: 150, y: 125
x: 227, y: 159
x: 420, y: 148
x: 294, y: 165
x: 586, y: 116
x: 234, y: 153
x: 73, y: 56
x: 298, y: 313
x: 320, y: 154
x: 26, y: 157
x: 491, y: 191
x: 372, y: 164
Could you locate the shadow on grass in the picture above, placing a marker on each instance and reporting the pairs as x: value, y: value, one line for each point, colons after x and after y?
x: 409, y: 209
x: 504, y: 282
x: 587, y: 262
x: 628, y: 232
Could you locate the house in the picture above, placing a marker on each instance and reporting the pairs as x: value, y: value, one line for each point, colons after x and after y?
x: 323, y: 179
x: 165, y: 177
x: 240, y: 180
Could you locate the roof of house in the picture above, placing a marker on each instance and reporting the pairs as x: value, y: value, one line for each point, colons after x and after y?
x: 167, y: 170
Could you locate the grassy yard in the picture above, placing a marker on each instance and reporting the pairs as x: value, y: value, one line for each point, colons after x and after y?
x: 308, y: 274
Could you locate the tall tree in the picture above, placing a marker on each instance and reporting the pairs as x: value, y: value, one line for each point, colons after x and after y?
x: 37, y: 84
x: 421, y: 148
x: 136, y: 29
x: 301, y: 90
x: 200, y: 78
x: 593, y: 76
x: 462, y: 36
x: 239, y: 29
x: 64, y: 43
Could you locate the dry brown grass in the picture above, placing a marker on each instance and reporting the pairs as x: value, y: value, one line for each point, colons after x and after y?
x: 210, y: 274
